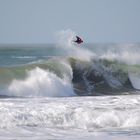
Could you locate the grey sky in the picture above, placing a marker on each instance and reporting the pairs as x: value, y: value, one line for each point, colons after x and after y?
x: 35, y: 21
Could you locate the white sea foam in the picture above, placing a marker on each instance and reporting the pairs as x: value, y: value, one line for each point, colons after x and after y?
x: 66, y: 41
x: 41, y: 82
x: 65, y: 37
x: 128, y: 54
x: 86, y: 113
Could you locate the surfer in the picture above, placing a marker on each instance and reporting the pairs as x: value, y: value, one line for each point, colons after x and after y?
x: 78, y: 40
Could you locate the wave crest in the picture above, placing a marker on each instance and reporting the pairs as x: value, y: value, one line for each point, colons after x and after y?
x: 41, y: 83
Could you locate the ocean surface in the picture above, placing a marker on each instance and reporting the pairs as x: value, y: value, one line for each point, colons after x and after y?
x: 71, y: 92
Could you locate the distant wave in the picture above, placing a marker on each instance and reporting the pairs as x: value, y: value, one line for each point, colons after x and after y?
x: 23, y: 57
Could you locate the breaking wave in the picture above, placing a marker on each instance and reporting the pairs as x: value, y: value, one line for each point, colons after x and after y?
x: 41, y: 83
x: 68, y: 76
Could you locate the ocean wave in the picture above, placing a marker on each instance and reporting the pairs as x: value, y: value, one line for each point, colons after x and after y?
x: 69, y: 76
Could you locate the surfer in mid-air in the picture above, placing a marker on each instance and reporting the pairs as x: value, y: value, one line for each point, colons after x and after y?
x: 78, y: 40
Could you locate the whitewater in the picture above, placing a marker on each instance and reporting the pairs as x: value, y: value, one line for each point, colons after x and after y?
x: 66, y: 91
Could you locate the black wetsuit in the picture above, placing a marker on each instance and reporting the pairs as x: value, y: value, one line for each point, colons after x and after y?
x: 79, y: 40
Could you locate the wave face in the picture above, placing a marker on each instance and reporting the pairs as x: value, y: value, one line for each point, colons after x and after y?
x: 101, y: 76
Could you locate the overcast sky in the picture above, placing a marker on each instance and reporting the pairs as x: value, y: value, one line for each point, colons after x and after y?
x: 36, y: 21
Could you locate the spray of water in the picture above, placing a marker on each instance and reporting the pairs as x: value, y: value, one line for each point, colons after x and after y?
x: 41, y: 83
x: 66, y: 41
